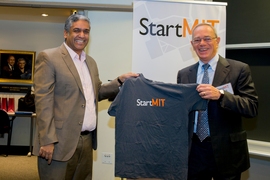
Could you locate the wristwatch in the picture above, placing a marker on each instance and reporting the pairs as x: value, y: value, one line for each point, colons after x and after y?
x: 221, y: 94
x: 120, y: 82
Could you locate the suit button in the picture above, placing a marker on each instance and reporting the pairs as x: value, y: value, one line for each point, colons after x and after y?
x: 83, y: 105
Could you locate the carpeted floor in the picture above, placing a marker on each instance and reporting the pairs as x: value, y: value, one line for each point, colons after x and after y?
x: 18, y: 167
x: 22, y: 167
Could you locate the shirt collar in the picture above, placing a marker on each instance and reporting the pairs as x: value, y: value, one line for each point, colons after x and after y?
x: 74, y: 55
x: 212, y: 62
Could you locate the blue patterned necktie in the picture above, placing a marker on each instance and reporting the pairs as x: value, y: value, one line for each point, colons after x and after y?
x: 202, y: 124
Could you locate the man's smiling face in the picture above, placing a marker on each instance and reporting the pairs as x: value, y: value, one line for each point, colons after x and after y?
x: 78, y: 36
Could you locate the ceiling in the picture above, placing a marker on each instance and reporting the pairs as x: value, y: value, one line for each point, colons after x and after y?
x: 57, y: 15
x: 58, y: 12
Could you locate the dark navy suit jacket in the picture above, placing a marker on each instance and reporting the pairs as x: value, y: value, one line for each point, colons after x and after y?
x: 229, y: 139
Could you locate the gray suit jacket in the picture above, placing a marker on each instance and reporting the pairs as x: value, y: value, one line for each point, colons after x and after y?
x: 229, y: 139
x: 60, y: 101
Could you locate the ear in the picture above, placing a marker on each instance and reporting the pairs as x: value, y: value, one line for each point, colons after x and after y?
x: 218, y: 40
x: 66, y: 34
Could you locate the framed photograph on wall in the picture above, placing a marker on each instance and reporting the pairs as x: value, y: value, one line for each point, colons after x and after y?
x: 17, y: 67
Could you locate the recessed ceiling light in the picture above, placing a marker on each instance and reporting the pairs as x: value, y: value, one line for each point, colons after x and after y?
x: 44, y: 15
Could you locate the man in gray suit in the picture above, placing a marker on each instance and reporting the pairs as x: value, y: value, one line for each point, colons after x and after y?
x: 67, y: 91
x: 222, y: 153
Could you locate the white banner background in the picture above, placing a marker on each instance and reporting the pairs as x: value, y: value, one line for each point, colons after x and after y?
x: 160, y: 53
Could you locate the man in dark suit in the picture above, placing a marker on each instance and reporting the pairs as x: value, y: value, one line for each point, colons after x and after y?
x: 9, y: 69
x: 222, y: 153
x: 67, y: 91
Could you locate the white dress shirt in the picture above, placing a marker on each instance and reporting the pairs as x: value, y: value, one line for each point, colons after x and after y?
x: 89, y: 121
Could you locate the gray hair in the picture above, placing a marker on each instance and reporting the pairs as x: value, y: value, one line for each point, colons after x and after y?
x: 21, y: 59
x: 74, y: 18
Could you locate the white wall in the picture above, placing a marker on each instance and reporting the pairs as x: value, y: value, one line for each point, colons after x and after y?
x: 111, y: 47
x: 28, y: 36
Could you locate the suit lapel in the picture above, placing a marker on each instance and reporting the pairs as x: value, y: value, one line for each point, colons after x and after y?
x: 223, y: 69
x: 71, y: 66
x: 192, y: 76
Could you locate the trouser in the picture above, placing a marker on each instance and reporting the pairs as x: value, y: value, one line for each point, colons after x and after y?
x: 79, y: 167
x: 202, y: 165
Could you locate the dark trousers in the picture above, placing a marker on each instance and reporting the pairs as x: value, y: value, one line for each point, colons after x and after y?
x: 202, y: 165
x: 79, y: 167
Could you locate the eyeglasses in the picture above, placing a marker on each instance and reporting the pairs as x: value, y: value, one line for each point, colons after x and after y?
x: 205, y: 39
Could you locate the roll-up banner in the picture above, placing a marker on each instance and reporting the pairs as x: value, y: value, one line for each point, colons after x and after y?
x: 162, y: 35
